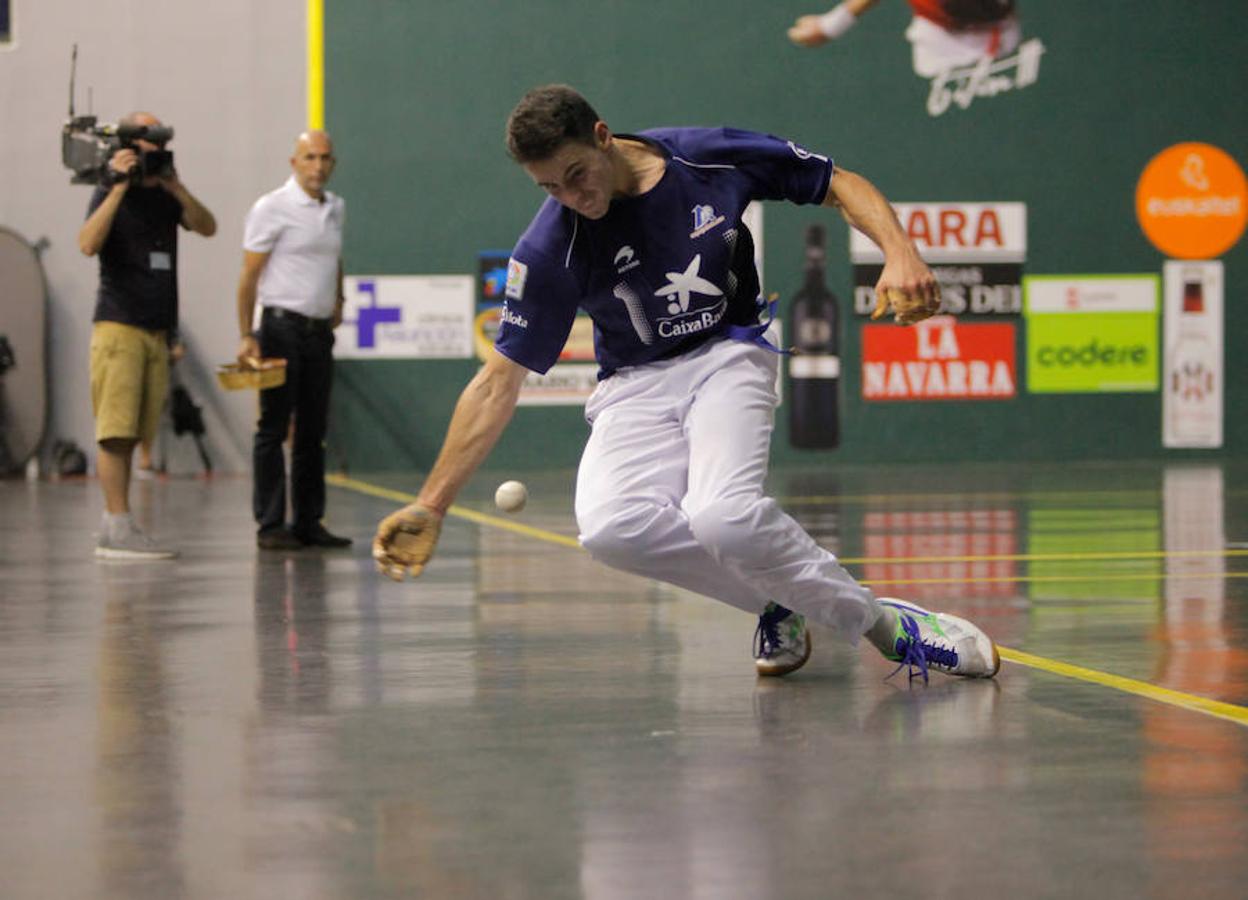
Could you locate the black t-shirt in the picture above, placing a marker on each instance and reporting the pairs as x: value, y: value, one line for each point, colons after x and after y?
x: 139, y: 260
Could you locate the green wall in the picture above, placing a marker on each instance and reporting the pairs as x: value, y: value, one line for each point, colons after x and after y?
x: 417, y: 94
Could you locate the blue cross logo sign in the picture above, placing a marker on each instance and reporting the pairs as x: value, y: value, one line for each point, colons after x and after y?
x: 369, y: 317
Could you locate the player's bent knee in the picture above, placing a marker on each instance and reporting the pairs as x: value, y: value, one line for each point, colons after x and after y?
x: 616, y: 534
x: 727, y: 528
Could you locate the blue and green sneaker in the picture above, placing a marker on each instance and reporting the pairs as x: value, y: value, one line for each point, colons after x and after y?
x: 781, y: 641
x: 927, y: 640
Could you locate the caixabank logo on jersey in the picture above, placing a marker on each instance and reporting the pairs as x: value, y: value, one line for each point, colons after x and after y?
x: 976, y: 251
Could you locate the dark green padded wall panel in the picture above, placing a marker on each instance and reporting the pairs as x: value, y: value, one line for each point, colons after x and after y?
x: 417, y: 94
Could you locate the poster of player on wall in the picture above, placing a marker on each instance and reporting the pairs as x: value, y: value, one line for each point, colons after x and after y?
x: 967, y: 49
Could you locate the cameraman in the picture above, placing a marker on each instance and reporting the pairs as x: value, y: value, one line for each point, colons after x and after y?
x: 132, y: 224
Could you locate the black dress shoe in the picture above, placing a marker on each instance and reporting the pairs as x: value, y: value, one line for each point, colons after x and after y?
x: 317, y: 535
x: 278, y: 539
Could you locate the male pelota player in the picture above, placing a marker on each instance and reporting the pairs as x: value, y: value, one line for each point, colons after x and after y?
x: 644, y: 233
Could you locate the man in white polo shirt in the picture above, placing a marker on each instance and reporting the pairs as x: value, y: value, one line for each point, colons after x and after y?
x: 292, y: 261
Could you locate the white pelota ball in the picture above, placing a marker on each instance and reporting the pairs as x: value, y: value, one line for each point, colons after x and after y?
x: 511, y: 496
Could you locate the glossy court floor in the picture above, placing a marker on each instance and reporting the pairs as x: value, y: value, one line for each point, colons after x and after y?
x: 523, y: 723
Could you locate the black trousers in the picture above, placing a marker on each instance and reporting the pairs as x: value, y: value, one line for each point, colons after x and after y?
x: 307, y: 346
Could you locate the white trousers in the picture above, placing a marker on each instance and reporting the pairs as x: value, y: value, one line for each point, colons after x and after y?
x: 670, y: 486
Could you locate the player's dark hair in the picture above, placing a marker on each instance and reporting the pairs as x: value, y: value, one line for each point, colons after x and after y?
x: 544, y: 118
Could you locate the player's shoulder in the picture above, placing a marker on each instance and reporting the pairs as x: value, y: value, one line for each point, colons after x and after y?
x: 549, y: 236
x: 720, y: 145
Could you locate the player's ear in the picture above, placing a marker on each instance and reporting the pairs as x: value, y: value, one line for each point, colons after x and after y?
x: 602, y: 135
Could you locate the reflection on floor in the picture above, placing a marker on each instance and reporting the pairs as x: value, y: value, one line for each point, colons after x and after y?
x: 525, y: 723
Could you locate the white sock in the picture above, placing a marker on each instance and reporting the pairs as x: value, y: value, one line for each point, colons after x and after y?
x: 116, y: 522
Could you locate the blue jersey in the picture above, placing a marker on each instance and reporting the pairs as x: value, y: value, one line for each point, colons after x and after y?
x: 662, y: 272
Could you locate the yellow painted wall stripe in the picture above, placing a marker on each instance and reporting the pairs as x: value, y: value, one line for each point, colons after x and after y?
x: 1227, y: 711
x: 316, y: 64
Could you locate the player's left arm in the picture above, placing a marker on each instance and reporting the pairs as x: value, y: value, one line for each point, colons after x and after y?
x: 906, y: 283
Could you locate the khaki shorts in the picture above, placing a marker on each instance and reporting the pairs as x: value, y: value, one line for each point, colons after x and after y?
x: 129, y: 380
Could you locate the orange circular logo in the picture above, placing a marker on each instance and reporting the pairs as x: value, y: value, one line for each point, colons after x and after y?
x: 1192, y: 201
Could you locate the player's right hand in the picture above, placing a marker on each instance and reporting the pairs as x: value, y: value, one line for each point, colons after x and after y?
x: 405, y: 541
x: 806, y: 32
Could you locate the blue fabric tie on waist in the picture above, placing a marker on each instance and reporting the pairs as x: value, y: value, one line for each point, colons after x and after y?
x: 753, y: 334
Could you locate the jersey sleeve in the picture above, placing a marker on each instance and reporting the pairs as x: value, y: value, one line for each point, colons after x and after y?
x: 541, y: 299
x: 775, y: 168
x: 262, y: 228
x: 780, y: 169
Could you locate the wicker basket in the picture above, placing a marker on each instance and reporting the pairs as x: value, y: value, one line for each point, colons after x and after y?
x: 263, y: 373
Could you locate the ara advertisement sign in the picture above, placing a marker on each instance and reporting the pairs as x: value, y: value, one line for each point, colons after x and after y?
x: 975, y: 250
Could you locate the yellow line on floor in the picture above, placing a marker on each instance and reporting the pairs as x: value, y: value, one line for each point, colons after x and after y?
x: 1092, y: 576
x: 460, y: 512
x: 1048, y: 557
x: 1228, y: 711
x: 979, y: 497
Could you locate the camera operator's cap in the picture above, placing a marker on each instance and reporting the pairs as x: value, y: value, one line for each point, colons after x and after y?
x: 259, y: 374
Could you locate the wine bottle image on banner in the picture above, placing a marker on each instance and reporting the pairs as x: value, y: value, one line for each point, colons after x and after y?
x: 815, y: 367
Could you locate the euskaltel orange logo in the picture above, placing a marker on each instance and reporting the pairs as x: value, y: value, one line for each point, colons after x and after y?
x: 1192, y: 201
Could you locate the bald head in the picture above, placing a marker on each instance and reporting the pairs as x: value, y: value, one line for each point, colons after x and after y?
x: 313, y: 162
x: 139, y: 118
x: 315, y: 138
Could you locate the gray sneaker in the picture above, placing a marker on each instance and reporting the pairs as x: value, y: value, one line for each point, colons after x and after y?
x: 122, y: 539
x: 781, y: 641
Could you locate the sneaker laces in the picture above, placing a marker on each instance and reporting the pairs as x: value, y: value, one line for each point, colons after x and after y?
x: 767, y: 635
x: 916, y: 655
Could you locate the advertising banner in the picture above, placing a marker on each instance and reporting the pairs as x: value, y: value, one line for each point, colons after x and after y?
x: 1192, y: 395
x: 976, y: 251
x: 1091, y: 333
x: 406, y: 317
x: 1192, y: 201
x: 939, y: 359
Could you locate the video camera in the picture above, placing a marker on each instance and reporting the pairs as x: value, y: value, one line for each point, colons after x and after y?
x: 87, y: 145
